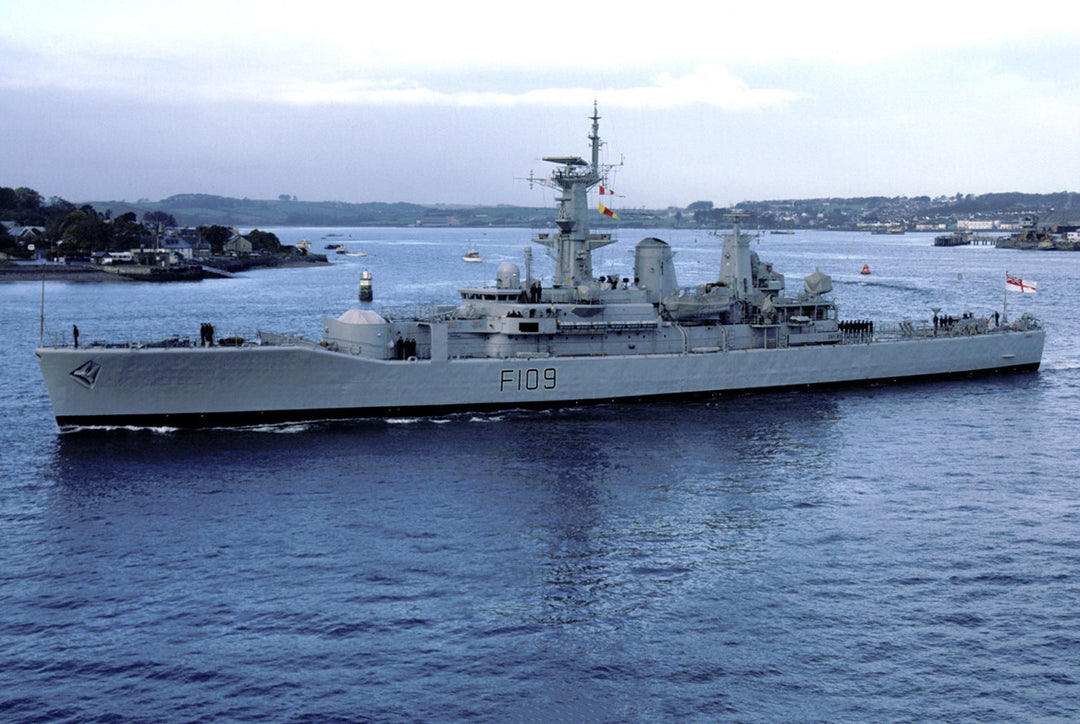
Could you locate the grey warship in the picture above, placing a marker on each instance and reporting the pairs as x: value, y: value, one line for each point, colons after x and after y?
x: 520, y: 343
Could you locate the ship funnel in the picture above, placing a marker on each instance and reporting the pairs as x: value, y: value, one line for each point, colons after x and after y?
x: 654, y: 268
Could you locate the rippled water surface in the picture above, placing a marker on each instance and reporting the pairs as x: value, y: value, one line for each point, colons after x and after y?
x: 887, y: 553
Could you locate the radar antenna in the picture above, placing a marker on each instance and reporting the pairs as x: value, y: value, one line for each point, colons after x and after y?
x: 573, y: 244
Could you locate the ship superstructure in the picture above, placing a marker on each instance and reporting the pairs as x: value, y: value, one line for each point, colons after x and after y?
x: 520, y: 343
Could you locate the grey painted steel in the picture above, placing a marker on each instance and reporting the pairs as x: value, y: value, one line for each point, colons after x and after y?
x: 519, y: 344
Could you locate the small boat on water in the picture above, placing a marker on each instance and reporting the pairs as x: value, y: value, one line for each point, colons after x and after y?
x: 472, y: 255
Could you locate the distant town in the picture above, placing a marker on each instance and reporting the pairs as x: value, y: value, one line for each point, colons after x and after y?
x: 187, y: 225
x: 1003, y: 212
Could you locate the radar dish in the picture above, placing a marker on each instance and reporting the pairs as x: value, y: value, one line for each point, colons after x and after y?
x: 568, y: 160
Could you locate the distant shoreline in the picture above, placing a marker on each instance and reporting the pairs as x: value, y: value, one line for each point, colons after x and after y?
x: 94, y: 273
x: 57, y: 272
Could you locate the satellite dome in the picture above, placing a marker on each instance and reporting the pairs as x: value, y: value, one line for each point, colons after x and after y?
x: 507, y: 276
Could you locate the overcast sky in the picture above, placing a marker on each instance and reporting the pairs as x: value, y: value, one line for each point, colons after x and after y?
x: 456, y: 102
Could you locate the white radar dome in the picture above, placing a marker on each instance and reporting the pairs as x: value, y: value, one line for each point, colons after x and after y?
x: 508, y: 276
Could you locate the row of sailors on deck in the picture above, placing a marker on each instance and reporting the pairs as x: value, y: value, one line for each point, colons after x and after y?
x: 946, y: 321
x: 611, y: 281
x: 404, y: 348
x: 857, y: 326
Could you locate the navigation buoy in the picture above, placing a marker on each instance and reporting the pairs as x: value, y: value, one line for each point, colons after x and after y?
x: 865, y: 269
x: 365, y: 286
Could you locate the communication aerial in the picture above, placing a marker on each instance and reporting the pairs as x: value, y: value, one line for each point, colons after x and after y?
x: 573, y: 244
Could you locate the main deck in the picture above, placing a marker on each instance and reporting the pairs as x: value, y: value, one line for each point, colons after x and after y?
x: 250, y: 384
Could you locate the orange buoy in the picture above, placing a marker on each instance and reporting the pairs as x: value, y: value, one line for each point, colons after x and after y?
x: 865, y: 269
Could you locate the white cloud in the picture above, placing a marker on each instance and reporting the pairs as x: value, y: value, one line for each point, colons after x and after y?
x: 883, y: 93
x: 410, y: 38
x: 329, y: 52
x: 709, y: 85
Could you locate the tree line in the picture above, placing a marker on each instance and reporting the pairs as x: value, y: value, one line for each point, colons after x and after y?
x: 80, y: 231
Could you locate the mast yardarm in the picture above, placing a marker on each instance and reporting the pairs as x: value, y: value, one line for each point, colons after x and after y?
x: 573, y: 244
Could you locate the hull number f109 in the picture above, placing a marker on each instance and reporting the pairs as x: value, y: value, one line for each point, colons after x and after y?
x: 530, y: 378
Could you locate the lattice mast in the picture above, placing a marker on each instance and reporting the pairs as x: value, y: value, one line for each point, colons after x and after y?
x: 573, y: 244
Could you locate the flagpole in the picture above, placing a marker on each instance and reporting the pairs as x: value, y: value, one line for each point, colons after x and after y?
x: 1005, y: 305
x: 42, y: 330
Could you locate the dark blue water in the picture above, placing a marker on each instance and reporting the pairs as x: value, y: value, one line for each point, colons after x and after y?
x: 905, y: 553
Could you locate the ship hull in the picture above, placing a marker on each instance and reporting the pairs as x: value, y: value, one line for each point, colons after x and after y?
x: 224, y: 386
